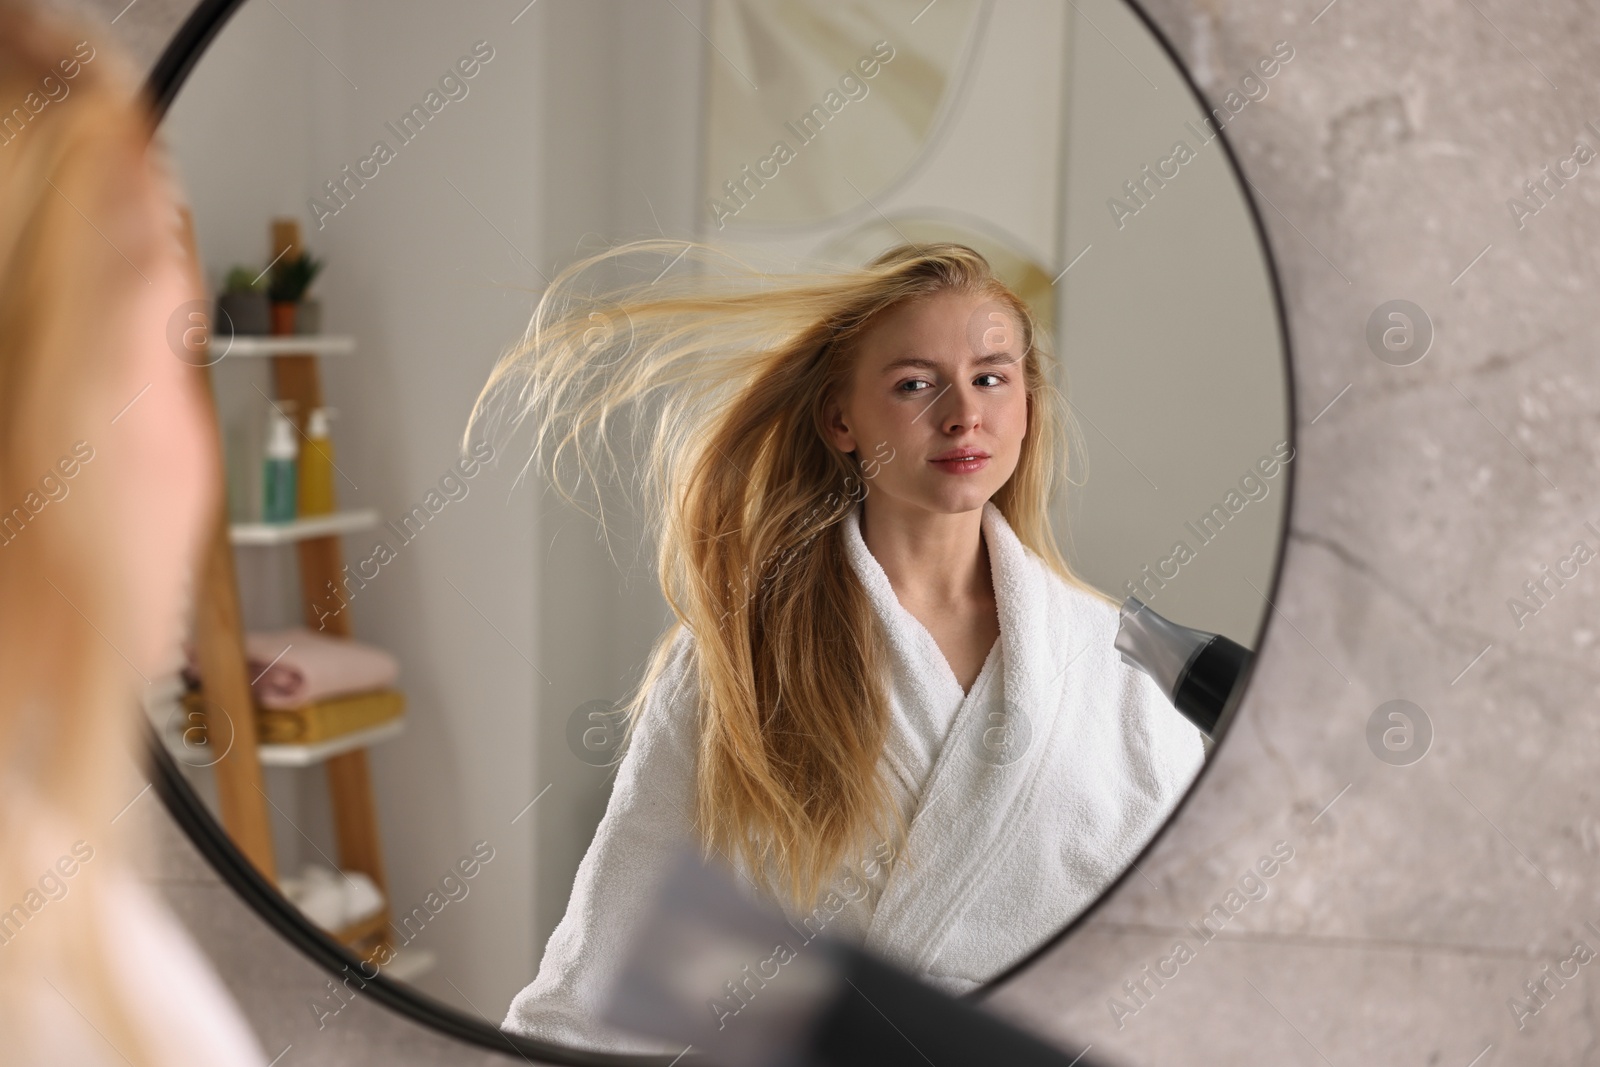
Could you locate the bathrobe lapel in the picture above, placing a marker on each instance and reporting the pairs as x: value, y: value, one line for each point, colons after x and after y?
x: 984, y: 775
x: 924, y: 695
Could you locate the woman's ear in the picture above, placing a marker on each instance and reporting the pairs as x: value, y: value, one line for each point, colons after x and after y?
x: 833, y: 423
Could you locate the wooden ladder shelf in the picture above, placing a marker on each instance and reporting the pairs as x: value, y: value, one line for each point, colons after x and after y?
x: 225, y: 684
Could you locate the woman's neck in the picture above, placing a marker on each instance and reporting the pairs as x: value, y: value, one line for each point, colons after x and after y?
x: 930, y: 558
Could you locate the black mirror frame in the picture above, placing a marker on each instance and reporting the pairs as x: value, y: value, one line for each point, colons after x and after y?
x: 208, y: 837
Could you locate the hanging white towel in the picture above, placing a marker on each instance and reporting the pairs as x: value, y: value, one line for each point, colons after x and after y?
x: 1025, y: 797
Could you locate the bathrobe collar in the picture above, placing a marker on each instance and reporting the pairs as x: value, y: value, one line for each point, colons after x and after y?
x: 982, y: 783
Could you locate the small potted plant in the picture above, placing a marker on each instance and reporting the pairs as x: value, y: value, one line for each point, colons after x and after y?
x: 293, y: 311
x: 242, y: 307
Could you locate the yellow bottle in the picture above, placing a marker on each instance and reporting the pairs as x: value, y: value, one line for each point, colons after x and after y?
x: 316, y: 465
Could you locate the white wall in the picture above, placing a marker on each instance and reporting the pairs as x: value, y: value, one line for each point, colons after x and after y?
x: 616, y: 167
x: 1169, y: 343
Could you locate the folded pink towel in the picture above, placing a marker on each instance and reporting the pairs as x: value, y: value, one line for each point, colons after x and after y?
x: 297, y: 666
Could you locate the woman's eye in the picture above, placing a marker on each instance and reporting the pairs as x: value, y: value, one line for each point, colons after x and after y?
x: 999, y: 380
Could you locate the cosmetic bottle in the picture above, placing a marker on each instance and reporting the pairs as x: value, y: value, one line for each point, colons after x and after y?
x: 278, y: 471
x: 316, y: 465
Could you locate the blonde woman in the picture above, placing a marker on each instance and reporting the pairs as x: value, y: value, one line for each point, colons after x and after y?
x: 108, y: 468
x: 886, y: 700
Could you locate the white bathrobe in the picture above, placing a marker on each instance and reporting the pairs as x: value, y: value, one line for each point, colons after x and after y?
x: 1024, y: 797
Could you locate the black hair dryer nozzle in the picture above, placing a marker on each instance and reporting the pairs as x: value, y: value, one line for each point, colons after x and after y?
x: 1197, y: 670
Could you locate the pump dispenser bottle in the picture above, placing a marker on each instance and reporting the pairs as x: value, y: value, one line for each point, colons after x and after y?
x: 316, y: 465
x: 278, y: 470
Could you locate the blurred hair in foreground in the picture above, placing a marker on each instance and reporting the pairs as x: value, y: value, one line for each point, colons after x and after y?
x: 91, y: 253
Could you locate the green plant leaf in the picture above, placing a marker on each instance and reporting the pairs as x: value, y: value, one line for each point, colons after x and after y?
x: 243, y: 279
x: 292, y: 277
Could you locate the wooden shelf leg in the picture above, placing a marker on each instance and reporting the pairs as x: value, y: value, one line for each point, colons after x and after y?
x: 355, y: 816
x: 355, y: 821
x: 230, y: 709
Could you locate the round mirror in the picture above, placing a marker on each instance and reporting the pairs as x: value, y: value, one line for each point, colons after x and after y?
x: 1020, y: 358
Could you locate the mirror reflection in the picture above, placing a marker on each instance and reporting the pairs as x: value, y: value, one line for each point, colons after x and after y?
x: 734, y: 423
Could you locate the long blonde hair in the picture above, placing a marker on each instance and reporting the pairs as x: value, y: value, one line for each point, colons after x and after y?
x: 68, y: 702
x: 733, y: 366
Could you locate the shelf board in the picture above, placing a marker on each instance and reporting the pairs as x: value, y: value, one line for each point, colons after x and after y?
x: 408, y: 963
x: 283, y: 533
x: 307, y: 755
x: 306, y: 344
x: 362, y: 929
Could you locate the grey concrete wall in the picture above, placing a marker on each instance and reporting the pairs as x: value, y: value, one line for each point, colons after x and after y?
x: 1420, y: 897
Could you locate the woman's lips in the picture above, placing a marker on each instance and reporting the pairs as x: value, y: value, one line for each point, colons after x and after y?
x: 963, y: 465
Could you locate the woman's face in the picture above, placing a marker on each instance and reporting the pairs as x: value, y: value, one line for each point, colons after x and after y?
x: 933, y: 376
x: 156, y: 458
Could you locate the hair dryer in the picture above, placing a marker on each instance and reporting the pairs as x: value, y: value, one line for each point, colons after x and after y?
x: 1195, y: 669
x: 714, y: 969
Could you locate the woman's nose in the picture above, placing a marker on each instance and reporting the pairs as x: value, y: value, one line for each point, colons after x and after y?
x: 961, y: 409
